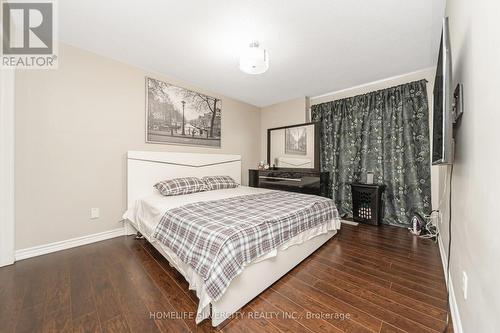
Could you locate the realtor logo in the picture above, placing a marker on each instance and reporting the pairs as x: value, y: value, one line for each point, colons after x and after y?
x: 28, y: 34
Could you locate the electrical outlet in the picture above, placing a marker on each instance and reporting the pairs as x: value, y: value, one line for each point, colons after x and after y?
x: 94, y: 213
x: 464, y: 284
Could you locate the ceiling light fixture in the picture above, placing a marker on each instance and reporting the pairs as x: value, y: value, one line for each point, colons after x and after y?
x: 254, y: 60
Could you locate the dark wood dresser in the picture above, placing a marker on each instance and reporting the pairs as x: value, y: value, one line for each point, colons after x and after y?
x: 308, y: 182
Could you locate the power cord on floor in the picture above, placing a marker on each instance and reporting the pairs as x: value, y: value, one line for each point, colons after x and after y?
x: 429, y: 229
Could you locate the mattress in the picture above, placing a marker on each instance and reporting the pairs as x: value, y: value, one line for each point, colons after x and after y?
x: 148, y: 211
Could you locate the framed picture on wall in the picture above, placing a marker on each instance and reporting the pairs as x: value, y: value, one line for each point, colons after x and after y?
x: 178, y: 116
x: 296, y: 141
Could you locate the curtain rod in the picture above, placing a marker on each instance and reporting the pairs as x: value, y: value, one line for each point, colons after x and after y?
x: 377, y: 82
x: 360, y: 94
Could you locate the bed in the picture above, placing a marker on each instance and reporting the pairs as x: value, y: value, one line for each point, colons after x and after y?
x: 146, y: 208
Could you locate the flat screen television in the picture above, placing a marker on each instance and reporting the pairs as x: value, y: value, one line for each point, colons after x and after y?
x: 442, y: 133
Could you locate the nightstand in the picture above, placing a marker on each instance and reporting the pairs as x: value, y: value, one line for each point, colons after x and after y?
x: 367, y: 203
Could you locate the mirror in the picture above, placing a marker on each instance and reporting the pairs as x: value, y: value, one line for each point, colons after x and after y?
x: 294, y: 147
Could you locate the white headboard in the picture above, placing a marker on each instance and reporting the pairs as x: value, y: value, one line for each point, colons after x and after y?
x: 146, y: 168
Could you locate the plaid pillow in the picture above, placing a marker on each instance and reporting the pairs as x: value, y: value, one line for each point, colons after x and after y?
x: 178, y: 186
x: 219, y: 182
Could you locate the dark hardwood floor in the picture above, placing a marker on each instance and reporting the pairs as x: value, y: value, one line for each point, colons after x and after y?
x: 365, y: 279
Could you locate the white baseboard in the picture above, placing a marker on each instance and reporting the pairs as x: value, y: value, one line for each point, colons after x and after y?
x: 67, y: 244
x: 455, y: 314
x: 349, y: 222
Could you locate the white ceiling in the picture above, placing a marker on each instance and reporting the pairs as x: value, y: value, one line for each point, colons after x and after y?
x: 315, y: 46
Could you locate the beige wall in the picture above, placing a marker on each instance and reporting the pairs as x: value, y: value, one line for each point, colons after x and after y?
x: 74, y: 126
x: 474, y: 29
x: 282, y: 114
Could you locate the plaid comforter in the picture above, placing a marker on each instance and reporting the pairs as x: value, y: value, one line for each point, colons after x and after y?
x: 218, y: 238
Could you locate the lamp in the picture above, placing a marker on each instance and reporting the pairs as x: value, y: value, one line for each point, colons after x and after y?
x: 254, y: 60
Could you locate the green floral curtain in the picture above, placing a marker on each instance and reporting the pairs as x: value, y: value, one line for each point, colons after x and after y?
x: 385, y: 132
